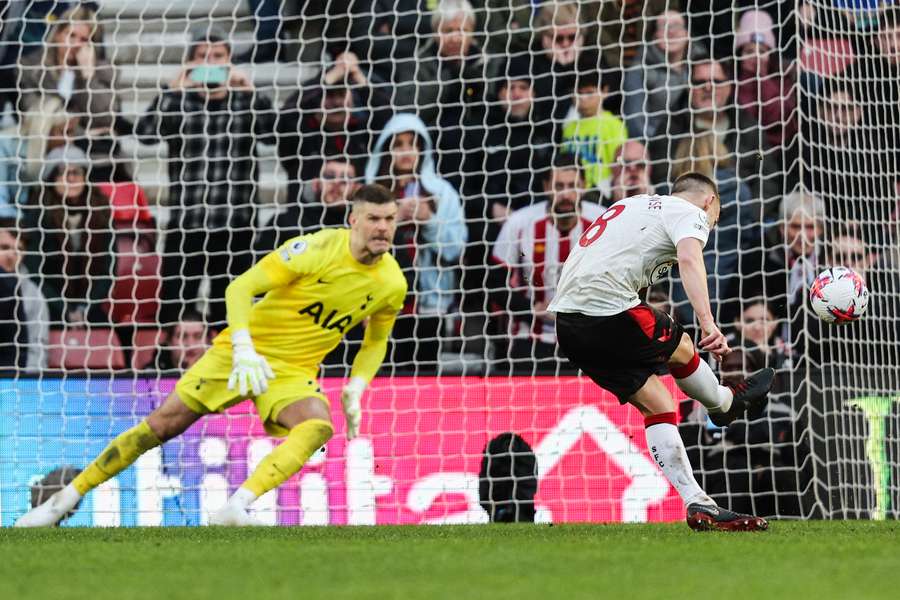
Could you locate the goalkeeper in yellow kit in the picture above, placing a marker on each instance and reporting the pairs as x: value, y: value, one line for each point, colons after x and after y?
x: 317, y: 287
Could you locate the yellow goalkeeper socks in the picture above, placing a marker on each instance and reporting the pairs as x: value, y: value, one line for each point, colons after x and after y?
x: 120, y: 453
x: 290, y: 456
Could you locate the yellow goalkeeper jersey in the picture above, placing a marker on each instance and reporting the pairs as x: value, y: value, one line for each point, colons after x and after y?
x: 322, y: 292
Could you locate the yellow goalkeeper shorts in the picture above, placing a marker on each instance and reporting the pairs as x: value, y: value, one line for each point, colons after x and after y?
x: 204, y: 389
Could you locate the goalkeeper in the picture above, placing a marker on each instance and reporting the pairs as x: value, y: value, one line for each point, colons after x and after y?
x: 317, y: 287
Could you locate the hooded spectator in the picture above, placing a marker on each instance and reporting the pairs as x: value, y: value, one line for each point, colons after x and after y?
x: 431, y: 236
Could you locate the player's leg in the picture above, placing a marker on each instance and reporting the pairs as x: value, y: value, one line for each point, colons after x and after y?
x: 697, y: 380
x: 164, y: 423
x: 664, y: 441
x: 308, y: 423
x: 667, y: 448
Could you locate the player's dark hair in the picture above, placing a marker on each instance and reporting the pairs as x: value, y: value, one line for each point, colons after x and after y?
x: 695, y: 182
x: 374, y: 194
x: 727, y: 67
x: 10, y: 225
x: 188, y: 315
x: 564, y: 160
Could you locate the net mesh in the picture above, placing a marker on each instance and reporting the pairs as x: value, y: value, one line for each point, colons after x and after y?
x: 153, y: 151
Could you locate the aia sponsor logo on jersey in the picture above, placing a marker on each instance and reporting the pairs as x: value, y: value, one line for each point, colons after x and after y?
x: 327, y: 321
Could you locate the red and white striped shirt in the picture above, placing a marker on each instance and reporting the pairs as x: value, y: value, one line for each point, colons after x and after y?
x: 531, y: 246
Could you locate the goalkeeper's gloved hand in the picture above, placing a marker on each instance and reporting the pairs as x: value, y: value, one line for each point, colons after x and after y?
x: 350, y: 397
x: 249, y: 370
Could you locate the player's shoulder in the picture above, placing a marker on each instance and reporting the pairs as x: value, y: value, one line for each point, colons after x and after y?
x: 320, y: 241
x: 675, y: 204
x: 330, y: 236
x: 392, y: 272
x: 591, y: 210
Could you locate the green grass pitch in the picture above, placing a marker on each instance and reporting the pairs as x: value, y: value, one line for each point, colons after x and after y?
x: 797, y: 560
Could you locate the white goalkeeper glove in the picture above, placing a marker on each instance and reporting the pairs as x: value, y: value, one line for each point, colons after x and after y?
x: 350, y: 397
x: 249, y: 370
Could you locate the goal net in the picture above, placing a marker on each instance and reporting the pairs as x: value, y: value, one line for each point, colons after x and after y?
x: 153, y: 151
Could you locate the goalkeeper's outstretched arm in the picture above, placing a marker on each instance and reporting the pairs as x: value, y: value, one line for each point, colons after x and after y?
x: 374, y: 347
x: 366, y: 364
x: 250, y: 371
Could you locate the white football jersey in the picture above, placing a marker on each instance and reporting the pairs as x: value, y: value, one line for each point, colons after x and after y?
x: 631, y: 246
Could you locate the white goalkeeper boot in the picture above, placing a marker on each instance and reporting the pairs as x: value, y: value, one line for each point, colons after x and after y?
x: 51, y: 512
x: 232, y: 515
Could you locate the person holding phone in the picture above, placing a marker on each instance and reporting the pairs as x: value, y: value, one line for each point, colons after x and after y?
x: 212, y: 118
x: 71, y: 68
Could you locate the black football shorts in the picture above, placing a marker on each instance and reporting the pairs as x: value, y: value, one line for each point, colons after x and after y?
x: 619, y: 352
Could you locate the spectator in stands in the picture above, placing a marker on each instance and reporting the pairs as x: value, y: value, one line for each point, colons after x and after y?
x: 388, y: 33
x: 505, y: 25
x: 754, y: 342
x: 655, y: 83
x: 430, y: 239
x: 267, y: 31
x: 630, y: 172
x: 529, y: 253
x: 43, y: 128
x: 338, y: 110
x: 516, y: 151
x: 737, y: 232
x: 71, y: 68
x: 328, y: 207
x: 595, y: 134
x: 622, y: 25
x: 70, y: 242
x: 515, y: 156
x: 446, y: 86
x: 710, y: 107
x: 844, y: 165
x: 10, y: 177
x: 24, y: 316
x: 862, y: 158
x: 212, y: 119
x: 761, y: 460
x: 765, y: 89
x: 185, y: 342
x: 555, y: 60
x: 782, y: 268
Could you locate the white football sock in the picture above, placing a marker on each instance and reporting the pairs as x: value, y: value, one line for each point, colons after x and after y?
x: 699, y: 382
x: 242, y: 498
x: 69, y: 496
x: 667, y: 449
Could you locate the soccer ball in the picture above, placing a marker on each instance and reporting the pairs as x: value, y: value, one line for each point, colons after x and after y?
x: 839, y: 295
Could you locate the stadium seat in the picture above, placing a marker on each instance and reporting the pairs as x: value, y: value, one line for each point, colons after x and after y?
x: 134, y: 296
x: 146, y: 342
x: 78, y: 349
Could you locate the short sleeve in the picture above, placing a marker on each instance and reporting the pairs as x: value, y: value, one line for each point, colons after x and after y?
x: 506, y: 248
x: 684, y: 220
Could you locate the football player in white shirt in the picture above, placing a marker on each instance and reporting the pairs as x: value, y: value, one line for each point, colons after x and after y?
x: 624, y: 345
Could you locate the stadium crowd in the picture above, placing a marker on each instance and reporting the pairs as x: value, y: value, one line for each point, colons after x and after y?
x: 503, y: 128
